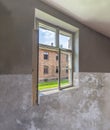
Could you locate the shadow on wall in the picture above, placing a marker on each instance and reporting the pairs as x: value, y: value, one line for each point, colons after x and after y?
x: 7, y: 40
x: 94, y: 50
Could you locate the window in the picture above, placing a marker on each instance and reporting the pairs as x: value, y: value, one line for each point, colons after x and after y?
x: 66, y: 69
x: 45, y: 55
x: 56, y: 69
x: 66, y: 58
x: 57, y: 44
x: 45, y: 69
x: 56, y: 36
x: 56, y: 57
x: 46, y: 35
x: 65, y: 40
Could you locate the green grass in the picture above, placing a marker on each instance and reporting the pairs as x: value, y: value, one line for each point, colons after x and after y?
x: 51, y: 84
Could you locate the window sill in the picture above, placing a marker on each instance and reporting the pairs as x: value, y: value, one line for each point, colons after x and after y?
x: 56, y: 90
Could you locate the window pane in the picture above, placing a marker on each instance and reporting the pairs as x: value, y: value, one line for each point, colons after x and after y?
x: 46, y: 35
x: 56, y: 69
x: 57, y: 57
x: 66, y: 60
x: 66, y: 78
x: 65, y: 40
x: 45, y: 55
x: 45, y: 69
x: 66, y: 69
x: 48, y: 77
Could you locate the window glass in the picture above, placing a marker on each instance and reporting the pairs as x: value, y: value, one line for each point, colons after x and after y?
x: 57, y: 57
x: 65, y: 40
x: 47, y: 35
x: 45, y: 55
x: 66, y: 69
x: 56, y: 69
x: 45, y: 69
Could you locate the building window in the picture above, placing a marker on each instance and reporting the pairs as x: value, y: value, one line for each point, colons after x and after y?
x: 66, y: 69
x: 45, y: 69
x: 56, y: 69
x: 66, y: 58
x: 57, y: 57
x: 45, y: 55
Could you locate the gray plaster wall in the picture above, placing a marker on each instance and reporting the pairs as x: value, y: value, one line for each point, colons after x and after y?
x: 86, y: 107
x: 16, y: 24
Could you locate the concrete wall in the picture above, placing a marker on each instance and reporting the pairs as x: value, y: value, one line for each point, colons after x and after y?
x: 16, y: 24
x: 84, y: 108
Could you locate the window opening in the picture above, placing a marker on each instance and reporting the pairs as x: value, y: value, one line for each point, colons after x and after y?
x: 55, y: 69
x: 45, y: 69
x: 66, y: 71
x: 57, y: 57
x: 45, y: 55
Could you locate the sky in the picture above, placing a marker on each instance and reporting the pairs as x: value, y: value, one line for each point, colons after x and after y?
x: 47, y: 37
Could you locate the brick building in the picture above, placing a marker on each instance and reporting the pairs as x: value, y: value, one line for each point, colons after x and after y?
x: 48, y: 64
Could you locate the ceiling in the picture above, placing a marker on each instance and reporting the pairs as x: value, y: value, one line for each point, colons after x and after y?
x: 93, y: 13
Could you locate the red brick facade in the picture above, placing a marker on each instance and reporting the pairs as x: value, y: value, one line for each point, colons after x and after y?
x: 51, y: 63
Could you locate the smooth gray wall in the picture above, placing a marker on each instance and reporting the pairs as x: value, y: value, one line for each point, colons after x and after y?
x: 16, y: 24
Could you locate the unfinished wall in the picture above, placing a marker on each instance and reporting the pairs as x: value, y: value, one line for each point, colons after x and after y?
x: 83, y: 108
x: 16, y: 24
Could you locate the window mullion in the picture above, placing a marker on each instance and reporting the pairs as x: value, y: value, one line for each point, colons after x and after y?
x: 72, y: 57
x: 57, y: 37
x: 37, y: 66
x: 57, y: 45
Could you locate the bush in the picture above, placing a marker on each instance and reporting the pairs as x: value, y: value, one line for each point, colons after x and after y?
x: 45, y: 80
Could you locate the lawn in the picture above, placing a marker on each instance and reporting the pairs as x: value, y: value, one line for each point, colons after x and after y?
x: 51, y: 84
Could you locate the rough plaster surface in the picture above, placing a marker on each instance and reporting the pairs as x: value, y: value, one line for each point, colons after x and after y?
x: 83, y: 108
